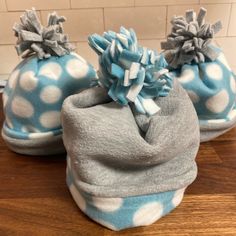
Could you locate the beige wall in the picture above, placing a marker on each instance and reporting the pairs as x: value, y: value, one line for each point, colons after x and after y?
x: 150, y: 19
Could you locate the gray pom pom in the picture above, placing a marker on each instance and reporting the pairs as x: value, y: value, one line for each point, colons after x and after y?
x: 190, y: 39
x: 33, y: 38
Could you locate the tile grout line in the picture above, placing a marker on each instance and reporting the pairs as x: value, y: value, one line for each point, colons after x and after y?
x: 128, y: 6
x: 103, y: 14
x: 6, y: 5
x: 231, y: 9
x: 167, y: 12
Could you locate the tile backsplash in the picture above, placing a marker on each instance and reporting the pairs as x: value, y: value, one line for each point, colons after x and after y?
x: 149, y: 18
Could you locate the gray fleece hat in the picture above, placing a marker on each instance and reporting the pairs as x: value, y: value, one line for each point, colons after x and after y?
x: 126, y: 168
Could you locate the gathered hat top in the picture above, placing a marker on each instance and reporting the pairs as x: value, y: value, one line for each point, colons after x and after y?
x: 130, y: 72
x: 44, y: 41
x: 190, y: 40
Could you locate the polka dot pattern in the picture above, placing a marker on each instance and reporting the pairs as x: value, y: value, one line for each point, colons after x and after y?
x: 148, y: 214
x: 127, y: 212
x: 186, y: 76
x: 50, y: 119
x: 51, y: 70
x: 28, y: 81
x: 232, y: 114
x: 78, y: 198
x: 107, y: 205
x: 106, y: 224
x: 35, y: 92
x: 212, y: 89
x: 22, y: 107
x: 214, y: 71
x: 77, y: 68
x: 13, y: 79
x: 218, y: 102
x: 51, y: 94
x: 232, y: 84
x: 178, y: 197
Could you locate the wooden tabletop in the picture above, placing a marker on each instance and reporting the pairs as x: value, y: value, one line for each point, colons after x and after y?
x: 34, y: 199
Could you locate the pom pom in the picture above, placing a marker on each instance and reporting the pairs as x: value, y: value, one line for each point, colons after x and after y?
x: 131, y: 73
x: 190, y: 39
x: 33, y: 38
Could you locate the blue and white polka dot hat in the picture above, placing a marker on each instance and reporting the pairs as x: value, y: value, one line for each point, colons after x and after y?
x: 203, y: 71
x: 37, y: 87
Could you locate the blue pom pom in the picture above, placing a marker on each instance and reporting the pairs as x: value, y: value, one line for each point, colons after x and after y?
x: 131, y: 73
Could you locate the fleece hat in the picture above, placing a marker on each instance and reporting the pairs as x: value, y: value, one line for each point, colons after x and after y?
x: 37, y: 87
x: 202, y: 69
x: 131, y: 143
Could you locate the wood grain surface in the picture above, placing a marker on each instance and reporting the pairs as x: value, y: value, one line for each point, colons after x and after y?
x: 34, y: 199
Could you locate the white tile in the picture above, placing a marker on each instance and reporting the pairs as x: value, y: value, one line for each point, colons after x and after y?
x: 8, y: 59
x: 16, y: 5
x: 148, y: 22
x: 84, y: 50
x: 101, y: 3
x: 164, y: 2
x: 232, y: 25
x: 80, y: 23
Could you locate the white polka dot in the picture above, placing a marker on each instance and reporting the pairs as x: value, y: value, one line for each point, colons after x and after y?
x: 13, y: 79
x: 216, y: 121
x: 232, y: 114
x: 218, y: 102
x: 148, y: 214
x: 193, y: 96
x: 4, y: 99
x: 223, y: 60
x: 214, y: 71
x: 52, y: 70
x: 77, y: 197
x: 232, y: 84
x: 50, y: 94
x: 76, y: 68
x: 107, y: 204
x: 28, y: 81
x: 29, y: 128
x: 186, y: 76
x: 50, y: 119
x: 22, y: 107
x: 8, y: 122
x: 106, y: 224
x: 178, y: 196
x: 40, y: 135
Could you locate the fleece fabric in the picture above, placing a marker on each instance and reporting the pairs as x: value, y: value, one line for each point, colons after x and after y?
x: 114, y: 152
x: 121, y: 213
x: 202, y: 69
x: 212, y: 89
x: 33, y: 98
x: 37, y: 87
